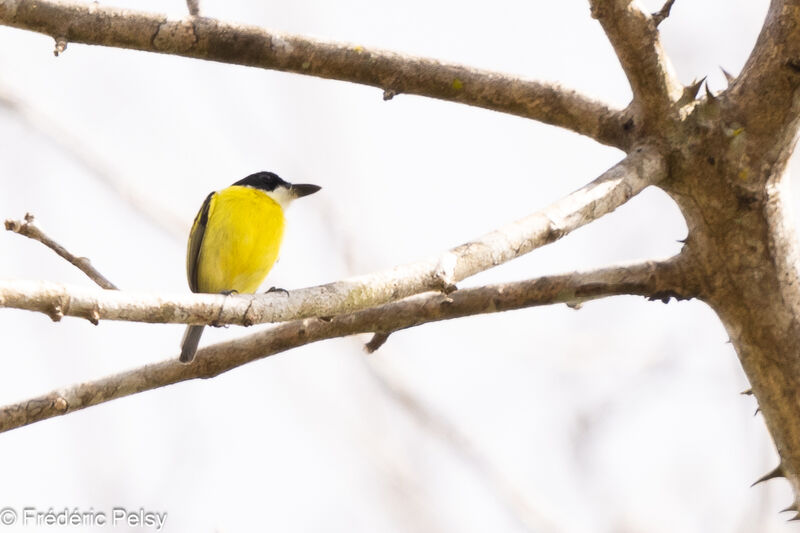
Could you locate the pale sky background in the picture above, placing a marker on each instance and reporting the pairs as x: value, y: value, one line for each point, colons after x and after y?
x: 624, y: 416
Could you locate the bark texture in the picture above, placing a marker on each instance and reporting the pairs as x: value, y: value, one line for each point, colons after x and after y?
x: 722, y: 158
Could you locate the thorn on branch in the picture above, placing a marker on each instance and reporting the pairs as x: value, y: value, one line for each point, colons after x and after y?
x: 378, y: 339
x: 730, y: 78
x: 61, y: 45
x: 748, y: 392
x: 661, y: 14
x: 772, y: 474
x: 792, y: 507
x: 690, y: 91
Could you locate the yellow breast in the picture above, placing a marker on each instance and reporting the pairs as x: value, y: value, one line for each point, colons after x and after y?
x: 241, y: 241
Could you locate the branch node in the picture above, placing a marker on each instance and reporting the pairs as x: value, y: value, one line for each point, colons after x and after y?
x: 94, y: 316
x: 56, y: 313
x: 445, y: 273
x: 61, y: 405
x: 378, y: 339
x: 247, y: 319
x: 61, y: 45
x: 388, y: 94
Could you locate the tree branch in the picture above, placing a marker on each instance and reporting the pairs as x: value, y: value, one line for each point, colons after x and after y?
x: 613, y: 188
x: 764, y: 96
x: 30, y: 230
x: 194, y: 7
x: 214, y: 40
x: 656, y: 280
x: 635, y: 38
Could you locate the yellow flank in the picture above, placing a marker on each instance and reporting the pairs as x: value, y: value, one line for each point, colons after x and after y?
x: 241, y: 241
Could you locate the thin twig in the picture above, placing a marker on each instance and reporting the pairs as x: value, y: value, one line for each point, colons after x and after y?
x: 215, y: 40
x: 30, y: 230
x: 655, y: 280
x: 663, y: 13
x: 613, y: 188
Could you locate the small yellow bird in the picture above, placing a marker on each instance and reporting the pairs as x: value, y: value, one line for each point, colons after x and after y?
x: 235, y: 239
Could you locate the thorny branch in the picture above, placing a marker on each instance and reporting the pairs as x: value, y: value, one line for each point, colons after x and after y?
x: 659, y: 280
x: 636, y: 40
x: 215, y: 40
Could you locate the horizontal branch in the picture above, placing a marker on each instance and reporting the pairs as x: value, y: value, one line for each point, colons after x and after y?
x: 613, y: 188
x: 636, y: 41
x: 656, y: 280
x: 214, y: 40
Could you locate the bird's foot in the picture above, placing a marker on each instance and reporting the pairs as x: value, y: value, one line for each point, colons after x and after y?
x: 277, y: 289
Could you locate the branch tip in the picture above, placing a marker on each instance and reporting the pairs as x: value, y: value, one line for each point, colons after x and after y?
x: 61, y: 45
x: 378, y: 340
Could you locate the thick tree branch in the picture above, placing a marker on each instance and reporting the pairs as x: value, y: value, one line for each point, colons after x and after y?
x: 764, y: 98
x: 214, y: 40
x: 634, y: 36
x: 656, y: 280
x: 30, y: 230
x: 613, y: 188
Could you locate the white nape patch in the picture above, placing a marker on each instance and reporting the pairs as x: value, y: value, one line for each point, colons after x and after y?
x: 282, y: 195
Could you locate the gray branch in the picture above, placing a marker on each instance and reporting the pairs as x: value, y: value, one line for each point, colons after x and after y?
x: 613, y: 188
x: 215, y: 40
x: 655, y: 280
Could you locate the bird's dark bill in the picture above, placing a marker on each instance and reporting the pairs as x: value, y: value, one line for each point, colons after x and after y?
x: 304, y: 189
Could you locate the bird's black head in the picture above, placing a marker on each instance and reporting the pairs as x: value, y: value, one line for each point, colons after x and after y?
x: 267, y: 181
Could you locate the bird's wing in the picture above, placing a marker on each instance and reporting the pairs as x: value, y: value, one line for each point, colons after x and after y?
x: 195, y: 242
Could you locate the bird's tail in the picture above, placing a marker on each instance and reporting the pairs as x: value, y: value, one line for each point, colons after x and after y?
x: 189, y: 343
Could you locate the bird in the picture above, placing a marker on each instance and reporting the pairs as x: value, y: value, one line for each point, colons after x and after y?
x: 235, y: 239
